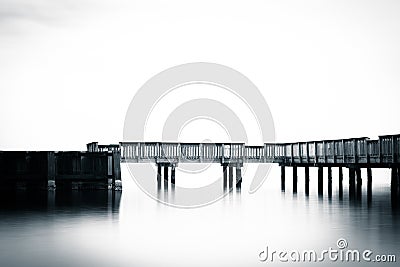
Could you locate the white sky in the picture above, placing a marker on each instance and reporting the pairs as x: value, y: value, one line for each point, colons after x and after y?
x: 69, y: 69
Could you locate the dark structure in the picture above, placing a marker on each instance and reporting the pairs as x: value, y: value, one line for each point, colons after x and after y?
x: 97, y: 168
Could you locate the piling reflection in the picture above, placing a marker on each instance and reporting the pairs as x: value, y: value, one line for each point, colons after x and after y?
x: 33, y: 200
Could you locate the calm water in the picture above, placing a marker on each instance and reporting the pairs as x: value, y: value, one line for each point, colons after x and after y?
x: 130, y: 229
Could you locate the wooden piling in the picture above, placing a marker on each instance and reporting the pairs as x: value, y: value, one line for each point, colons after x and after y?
x: 294, y: 179
x: 307, y: 180
x: 329, y: 182
x: 230, y: 178
x: 369, y: 184
x: 340, y: 182
x: 320, y: 181
x: 352, y: 182
x: 359, y: 183
x: 51, y: 171
x: 225, y: 177
x: 159, y: 177
x: 166, y: 178
x: 238, y: 178
x: 117, y: 183
x: 173, y: 177
x: 394, y: 182
x: 283, y: 178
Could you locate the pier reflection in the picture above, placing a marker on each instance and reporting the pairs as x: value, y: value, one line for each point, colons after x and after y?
x: 72, y: 201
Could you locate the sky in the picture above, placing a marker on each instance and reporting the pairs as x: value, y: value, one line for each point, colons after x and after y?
x: 69, y: 69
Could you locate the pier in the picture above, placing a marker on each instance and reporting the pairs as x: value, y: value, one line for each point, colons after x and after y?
x: 353, y: 153
x: 99, y: 166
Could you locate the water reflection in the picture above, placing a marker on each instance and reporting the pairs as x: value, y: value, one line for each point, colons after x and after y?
x: 33, y: 200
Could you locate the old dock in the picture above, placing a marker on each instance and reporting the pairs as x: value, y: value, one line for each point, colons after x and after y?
x: 353, y: 153
x: 99, y: 166
x: 96, y: 168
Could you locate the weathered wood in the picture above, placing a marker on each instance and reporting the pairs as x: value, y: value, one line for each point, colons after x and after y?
x: 359, y: 183
x: 238, y: 177
x: 166, y: 178
x: 159, y: 177
x: 329, y: 182
x: 225, y: 177
x: 352, y: 182
x: 307, y: 180
x: 230, y: 177
x: 320, y: 181
x: 340, y: 182
x: 294, y: 179
x: 283, y: 178
x: 369, y: 183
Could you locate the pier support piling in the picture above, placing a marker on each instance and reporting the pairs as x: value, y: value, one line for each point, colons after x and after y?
x: 294, y: 179
x: 352, y: 182
x: 230, y: 178
x: 320, y: 181
x: 51, y: 171
x: 359, y: 183
x: 340, y: 182
x: 394, y: 181
x: 173, y: 177
x: 225, y: 177
x: 369, y: 184
x: 329, y: 182
x: 283, y: 178
x: 159, y: 177
x: 307, y: 180
x: 166, y: 178
x: 238, y: 178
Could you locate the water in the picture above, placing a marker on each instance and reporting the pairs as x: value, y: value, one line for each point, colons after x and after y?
x: 130, y: 229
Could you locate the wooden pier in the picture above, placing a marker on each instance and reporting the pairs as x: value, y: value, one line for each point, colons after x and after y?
x: 353, y: 153
x: 99, y: 166
x: 92, y: 169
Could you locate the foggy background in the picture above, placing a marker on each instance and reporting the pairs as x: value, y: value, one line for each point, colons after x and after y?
x: 69, y: 69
